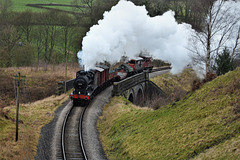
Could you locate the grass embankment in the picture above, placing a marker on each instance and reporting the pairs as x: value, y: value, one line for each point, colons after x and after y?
x: 171, y: 83
x: 32, y: 117
x: 205, y: 124
x: 175, y: 86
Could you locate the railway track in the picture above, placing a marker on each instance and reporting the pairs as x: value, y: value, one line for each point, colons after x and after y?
x: 71, y: 137
x: 72, y: 147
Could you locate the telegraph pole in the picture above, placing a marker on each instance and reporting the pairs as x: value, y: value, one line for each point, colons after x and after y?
x: 17, y: 103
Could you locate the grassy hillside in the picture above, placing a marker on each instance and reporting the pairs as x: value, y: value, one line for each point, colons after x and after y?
x: 171, y: 83
x: 175, y: 86
x: 203, y: 125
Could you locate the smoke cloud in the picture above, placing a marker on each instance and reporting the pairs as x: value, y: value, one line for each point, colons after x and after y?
x: 126, y: 30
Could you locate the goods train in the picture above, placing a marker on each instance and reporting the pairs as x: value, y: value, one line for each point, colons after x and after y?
x: 89, y: 83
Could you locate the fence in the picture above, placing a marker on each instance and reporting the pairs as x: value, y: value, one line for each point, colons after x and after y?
x: 60, y: 88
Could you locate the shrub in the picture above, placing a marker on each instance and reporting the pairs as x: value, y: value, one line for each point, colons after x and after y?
x: 23, y: 55
x: 224, y: 63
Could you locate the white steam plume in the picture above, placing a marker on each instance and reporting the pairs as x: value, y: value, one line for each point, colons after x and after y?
x: 128, y: 30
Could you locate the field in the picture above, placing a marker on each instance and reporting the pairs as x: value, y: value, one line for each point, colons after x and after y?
x: 20, y: 5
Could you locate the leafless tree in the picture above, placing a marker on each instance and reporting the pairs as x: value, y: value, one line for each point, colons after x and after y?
x: 8, y: 40
x: 235, y: 51
x: 219, y: 30
x: 23, y: 22
x: 157, y: 7
x: 85, y: 7
x: 50, y: 19
x: 39, y: 42
x: 5, y: 7
x: 101, y: 6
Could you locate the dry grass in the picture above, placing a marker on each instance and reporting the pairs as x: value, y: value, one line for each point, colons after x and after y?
x: 32, y: 118
x: 39, y: 83
x: 49, y: 70
x: 170, y: 83
x: 176, y: 87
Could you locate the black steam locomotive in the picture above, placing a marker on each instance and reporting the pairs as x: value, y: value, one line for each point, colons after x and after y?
x: 89, y: 83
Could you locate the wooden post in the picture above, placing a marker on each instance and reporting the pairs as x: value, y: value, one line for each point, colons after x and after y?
x: 17, y: 103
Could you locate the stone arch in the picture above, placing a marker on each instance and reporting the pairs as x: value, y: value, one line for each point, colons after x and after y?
x: 139, y: 100
x: 131, y: 96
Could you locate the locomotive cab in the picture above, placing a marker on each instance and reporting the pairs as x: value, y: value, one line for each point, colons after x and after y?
x: 147, y: 62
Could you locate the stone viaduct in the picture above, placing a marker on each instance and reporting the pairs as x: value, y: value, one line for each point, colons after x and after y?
x: 137, y: 88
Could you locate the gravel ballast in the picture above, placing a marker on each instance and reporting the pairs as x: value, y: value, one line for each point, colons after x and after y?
x: 44, y: 147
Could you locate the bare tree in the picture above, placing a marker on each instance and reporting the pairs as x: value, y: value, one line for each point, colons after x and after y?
x: 39, y: 42
x: 219, y: 29
x: 50, y: 19
x: 235, y: 51
x: 85, y: 7
x: 23, y: 22
x: 67, y: 33
x: 8, y: 40
x: 101, y: 6
x: 157, y: 7
x: 5, y: 7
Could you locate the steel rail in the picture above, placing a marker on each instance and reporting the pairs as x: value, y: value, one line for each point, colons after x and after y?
x: 63, y: 133
x: 80, y: 133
